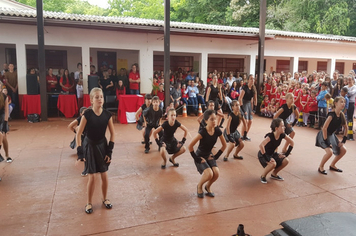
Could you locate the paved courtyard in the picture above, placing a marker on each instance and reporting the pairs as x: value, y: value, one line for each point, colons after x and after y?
x: 42, y: 192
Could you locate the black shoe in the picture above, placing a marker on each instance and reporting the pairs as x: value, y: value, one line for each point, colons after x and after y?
x: 322, y: 172
x: 200, y: 195
x: 246, y: 139
x: 238, y: 157
x: 142, y: 142
x: 277, y: 177
x: 9, y: 160
x: 163, y: 166
x: 209, y: 194
x: 107, y: 205
x: 1, y: 158
x: 225, y: 158
x: 263, y: 180
x: 147, y: 150
x: 334, y: 169
x: 174, y: 164
x: 90, y: 210
x: 84, y: 173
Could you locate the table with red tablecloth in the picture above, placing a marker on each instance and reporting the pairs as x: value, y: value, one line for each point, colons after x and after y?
x: 128, y: 104
x: 86, y: 100
x: 31, y: 104
x: 67, y: 104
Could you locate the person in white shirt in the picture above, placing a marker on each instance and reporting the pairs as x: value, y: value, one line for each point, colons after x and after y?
x: 76, y: 74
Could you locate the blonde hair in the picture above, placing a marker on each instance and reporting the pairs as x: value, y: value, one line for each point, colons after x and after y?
x: 343, y: 119
x: 290, y: 95
x: 93, y: 91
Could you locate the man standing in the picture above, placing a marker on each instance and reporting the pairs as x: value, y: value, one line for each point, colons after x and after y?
x: 134, y: 79
x: 10, y: 81
x: 190, y: 77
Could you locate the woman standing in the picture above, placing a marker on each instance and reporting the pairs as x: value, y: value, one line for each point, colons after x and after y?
x: 248, y: 98
x: 65, y: 82
x: 203, y: 158
x: 95, y: 150
x: 327, y: 140
x: 351, y: 94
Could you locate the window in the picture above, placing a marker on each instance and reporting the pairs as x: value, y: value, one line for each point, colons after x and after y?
x: 184, y: 62
x: 226, y: 64
x: 340, y: 66
x: 302, y: 66
x: 322, y: 66
x: 283, y: 65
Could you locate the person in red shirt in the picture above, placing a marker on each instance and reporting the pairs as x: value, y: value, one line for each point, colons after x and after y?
x: 66, y: 82
x: 304, y: 105
x: 313, y: 108
x: 160, y: 94
x: 210, y: 77
x: 134, y: 79
x: 120, y: 90
x: 51, y: 81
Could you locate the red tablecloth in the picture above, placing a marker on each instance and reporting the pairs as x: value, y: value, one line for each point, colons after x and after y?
x: 67, y: 104
x: 86, y: 100
x: 31, y: 104
x: 128, y: 103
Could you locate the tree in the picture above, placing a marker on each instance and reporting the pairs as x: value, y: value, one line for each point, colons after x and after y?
x: 148, y: 9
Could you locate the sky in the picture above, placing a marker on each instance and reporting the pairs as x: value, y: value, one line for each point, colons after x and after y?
x: 100, y: 3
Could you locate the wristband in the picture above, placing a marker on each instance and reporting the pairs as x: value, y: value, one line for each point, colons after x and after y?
x: 288, y: 151
x: 344, y: 139
x: 158, y: 142
x: 109, y: 149
x: 80, y: 153
x: 245, y: 134
x: 195, y: 157
x: 183, y: 140
x: 218, y: 154
x: 294, y: 122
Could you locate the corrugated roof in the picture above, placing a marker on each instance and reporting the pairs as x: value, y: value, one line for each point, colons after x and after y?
x: 174, y: 25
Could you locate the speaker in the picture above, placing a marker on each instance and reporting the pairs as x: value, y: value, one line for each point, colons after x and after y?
x: 92, y: 82
x: 32, y: 84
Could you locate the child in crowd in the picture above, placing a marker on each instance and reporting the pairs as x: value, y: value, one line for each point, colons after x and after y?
x: 185, y: 96
x: 304, y: 106
x: 152, y: 117
x: 264, y: 106
x: 313, y: 108
x: 169, y: 143
x: 80, y: 90
x: 329, y: 102
x: 160, y: 95
x: 120, y: 90
x: 322, y: 105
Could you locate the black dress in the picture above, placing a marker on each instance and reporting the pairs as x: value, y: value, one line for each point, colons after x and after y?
x: 95, y: 143
x: 285, y: 114
x: 270, y: 148
x: 235, y: 122
x: 168, y: 137
x: 214, y: 95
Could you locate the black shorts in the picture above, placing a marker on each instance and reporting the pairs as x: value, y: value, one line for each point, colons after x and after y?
x: 171, y: 146
x: 207, y: 164
x: 235, y: 135
x: 275, y: 156
x: 288, y: 130
x: 333, y: 140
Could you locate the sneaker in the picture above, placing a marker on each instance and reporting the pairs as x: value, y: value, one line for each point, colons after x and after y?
x: 9, y: 160
x: 147, y: 150
x: 277, y: 177
x: 263, y: 180
x: 84, y: 174
x: 246, y: 139
x: 1, y: 158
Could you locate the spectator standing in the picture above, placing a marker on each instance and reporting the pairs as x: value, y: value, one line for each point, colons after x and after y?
x: 134, y: 79
x: 76, y: 74
x: 51, y: 81
x: 11, y: 83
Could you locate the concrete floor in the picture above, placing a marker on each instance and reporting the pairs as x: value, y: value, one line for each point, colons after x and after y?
x: 42, y: 192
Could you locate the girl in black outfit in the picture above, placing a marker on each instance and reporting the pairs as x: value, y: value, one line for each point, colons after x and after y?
x: 248, y: 99
x: 327, y: 140
x: 169, y: 142
x: 4, y: 115
x: 95, y: 150
x: 214, y: 93
x: 284, y: 112
x: 268, y: 157
x: 203, y: 158
x: 231, y: 134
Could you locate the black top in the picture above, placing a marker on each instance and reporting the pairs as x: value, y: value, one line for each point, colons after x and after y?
x: 235, y: 122
x: 214, y: 93
x: 169, y: 131
x: 104, y: 83
x: 272, y: 145
x: 143, y: 107
x: 2, y: 111
x: 248, y: 92
x: 152, y: 117
x: 208, y: 141
x: 96, y: 125
x: 286, y: 111
x: 335, y: 123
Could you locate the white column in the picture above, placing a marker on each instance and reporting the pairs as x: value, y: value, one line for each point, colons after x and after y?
x: 146, y: 69
x: 21, y: 68
x: 203, y: 67
x: 85, y: 67
x: 251, y: 64
x: 331, y: 66
x: 294, y: 65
